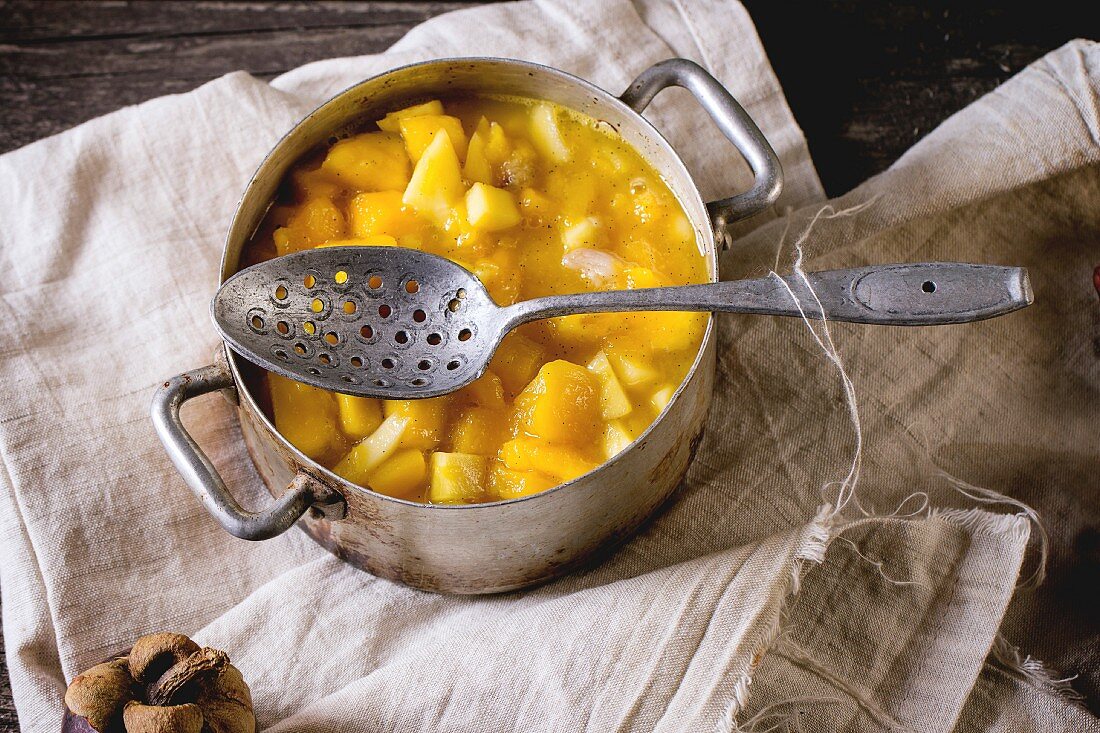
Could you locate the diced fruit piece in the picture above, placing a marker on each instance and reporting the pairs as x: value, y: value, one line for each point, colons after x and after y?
x: 584, y: 329
x: 561, y: 404
x: 508, y: 484
x: 662, y: 397
x: 560, y: 462
x: 400, y: 475
x: 359, y: 416
x: 616, y: 437
x: 491, y: 209
x: 425, y: 417
x: 368, y: 454
x: 372, y: 161
x: 436, y: 183
x: 373, y: 240
x: 480, y: 430
x: 478, y: 168
x: 535, y: 205
x: 598, y: 269
x: 304, y: 415
x: 418, y: 132
x: 456, y: 478
x: 633, y: 370
x: 381, y: 212
x: 497, y: 146
x: 546, y: 133
x: 316, y: 221
x: 517, y: 361
x: 499, y: 273
x: 485, y: 391
x: 392, y: 121
x: 642, y: 277
x: 613, y: 400
x: 315, y: 183
x: 585, y: 233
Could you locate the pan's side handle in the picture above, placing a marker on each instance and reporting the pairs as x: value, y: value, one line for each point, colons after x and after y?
x: 203, y: 479
x: 734, y: 123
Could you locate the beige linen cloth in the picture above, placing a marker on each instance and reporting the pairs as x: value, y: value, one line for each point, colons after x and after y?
x: 748, y: 605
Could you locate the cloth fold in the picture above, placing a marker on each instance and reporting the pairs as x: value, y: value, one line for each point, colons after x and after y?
x: 735, y: 604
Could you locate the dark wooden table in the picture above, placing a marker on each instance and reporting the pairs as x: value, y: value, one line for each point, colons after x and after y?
x: 865, y: 79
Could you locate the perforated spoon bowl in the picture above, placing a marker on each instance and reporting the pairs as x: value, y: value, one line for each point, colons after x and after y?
x: 398, y: 323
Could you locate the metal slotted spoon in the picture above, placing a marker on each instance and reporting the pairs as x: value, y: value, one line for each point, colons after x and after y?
x: 402, y: 324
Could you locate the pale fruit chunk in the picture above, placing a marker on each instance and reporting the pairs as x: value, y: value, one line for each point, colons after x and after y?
x: 418, y: 132
x: 316, y: 221
x: 508, y: 484
x: 491, y: 209
x: 613, y: 399
x: 400, y: 475
x: 392, y: 121
x: 547, y: 135
x: 485, y: 391
x: 517, y: 361
x: 478, y: 168
x: 536, y: 206
x: 588, y: 232
x: 436, y: 183
x: 304, y: 415
x: 373, y: 161
x: 381, y: 212
x: 497, y: 147
x: 633, y: 370
x: 315, y: 183
x: 561, y: 404
x: 616, y: 437
x: 425, y: 417
x: 480, y: 430
x: 359, y: 416
x: 456, y: 478
x: 360, y: 462
x: 561, y: 462
x: 662, y: 397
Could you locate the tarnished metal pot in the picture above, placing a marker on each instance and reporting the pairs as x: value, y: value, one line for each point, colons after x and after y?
x: 483, y: 548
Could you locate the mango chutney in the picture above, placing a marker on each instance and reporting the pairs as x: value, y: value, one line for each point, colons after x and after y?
x: 535, y: 200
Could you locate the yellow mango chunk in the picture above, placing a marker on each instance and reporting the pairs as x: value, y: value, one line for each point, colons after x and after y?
x: 425, y: 420
x: 315, y: 183
x: 477, y: 167
x: 485, y: 391
x: 436, y: 184
x: 560, y: 462
x: 616, y: 437
x: 401, y: 475
x: 418, y: 132
x: 547, y: 135
x: 561, y: 404
x: 536, y: 206
x: 633, y: 370
x: 498, y: 148
x: 613, y: 399
x: 304, y: 415
x: 588, y: 232
x: 480, y: 430
x: 491, y: 209
x: 372, y: 161
x: 381, y: 212
x: 662, y: 397
x: 517, y: 361
x: 369, y: 453
x: 505, y: 483
x: 359, y: 416
x: 392, y: 121
x: 456, y: 478
x: 642, y: 277
x: 316, y: 221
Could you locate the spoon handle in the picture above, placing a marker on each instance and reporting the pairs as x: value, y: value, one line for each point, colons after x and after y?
x: 924, y: 294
